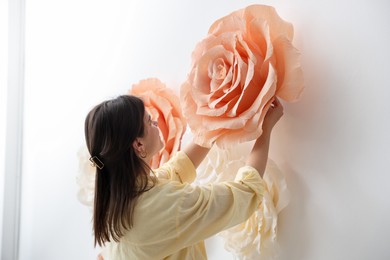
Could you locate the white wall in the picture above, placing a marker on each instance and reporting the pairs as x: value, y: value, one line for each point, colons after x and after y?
x: 333, y: 145
x: 3, y: 100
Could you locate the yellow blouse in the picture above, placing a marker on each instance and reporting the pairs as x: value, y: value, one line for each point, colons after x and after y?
x: 172, y: 219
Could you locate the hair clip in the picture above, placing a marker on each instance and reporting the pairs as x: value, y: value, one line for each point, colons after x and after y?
x: 96, y: 162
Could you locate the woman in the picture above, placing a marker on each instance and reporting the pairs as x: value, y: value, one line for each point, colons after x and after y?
x: 141, y: 214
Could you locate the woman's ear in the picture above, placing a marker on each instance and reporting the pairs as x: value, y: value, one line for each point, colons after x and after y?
x: 138, y: 145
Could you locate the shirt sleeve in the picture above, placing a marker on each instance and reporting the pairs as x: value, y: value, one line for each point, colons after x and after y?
x: 206, y: 210
x: 178, y: 168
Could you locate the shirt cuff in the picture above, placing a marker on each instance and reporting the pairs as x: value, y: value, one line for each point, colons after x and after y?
x: 184, y: 167
x: 249, y: 176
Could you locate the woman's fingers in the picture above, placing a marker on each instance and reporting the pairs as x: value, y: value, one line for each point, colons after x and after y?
x: 276, y: 102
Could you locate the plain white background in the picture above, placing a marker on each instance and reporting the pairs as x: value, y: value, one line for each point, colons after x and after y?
x: 3, y: 94
x: 333, y: 145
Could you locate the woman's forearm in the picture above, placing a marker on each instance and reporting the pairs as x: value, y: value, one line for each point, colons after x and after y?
x: 196, y: 153
x: 259, y: 155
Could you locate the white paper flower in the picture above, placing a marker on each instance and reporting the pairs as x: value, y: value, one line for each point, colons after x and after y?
x: 86, y: 178
x: 222, y: 164
x: 256, y: 238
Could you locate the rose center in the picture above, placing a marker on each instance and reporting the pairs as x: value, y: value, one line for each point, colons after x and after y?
x: 219, y: 69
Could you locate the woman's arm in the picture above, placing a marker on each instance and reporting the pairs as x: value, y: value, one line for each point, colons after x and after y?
x: 196, y: 153
x: 259, y: 155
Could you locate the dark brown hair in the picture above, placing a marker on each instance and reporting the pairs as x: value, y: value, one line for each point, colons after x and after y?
x: 110, y: 130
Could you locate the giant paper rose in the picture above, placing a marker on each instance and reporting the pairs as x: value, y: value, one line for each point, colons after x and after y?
x: 164, y: 106
x: 255, y: 238
x: 245, y: 61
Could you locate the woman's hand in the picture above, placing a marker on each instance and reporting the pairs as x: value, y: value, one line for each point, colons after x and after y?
x: 259, y: 155
x: 273, y: 115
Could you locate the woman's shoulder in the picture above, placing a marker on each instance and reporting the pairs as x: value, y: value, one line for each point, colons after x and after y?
x: 162, y: 187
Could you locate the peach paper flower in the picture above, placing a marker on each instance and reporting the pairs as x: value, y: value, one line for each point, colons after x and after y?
x: 164, y: 106
x: 245, y: 61
x: 255, y: 238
